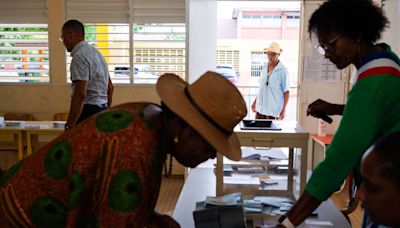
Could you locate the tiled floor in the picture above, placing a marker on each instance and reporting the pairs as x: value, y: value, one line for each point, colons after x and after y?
x: 169, y: 193
x: 340, y: 200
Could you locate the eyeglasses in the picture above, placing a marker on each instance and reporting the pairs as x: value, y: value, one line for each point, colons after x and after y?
x: 61, y: 37
x: 323, y: 48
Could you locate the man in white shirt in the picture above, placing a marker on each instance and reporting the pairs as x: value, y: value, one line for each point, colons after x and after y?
x: 92, y: 88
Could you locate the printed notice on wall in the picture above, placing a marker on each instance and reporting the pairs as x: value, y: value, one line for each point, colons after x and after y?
x: 318, y: 68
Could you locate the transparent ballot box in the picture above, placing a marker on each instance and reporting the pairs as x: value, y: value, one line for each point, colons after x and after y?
x: 274, y: 161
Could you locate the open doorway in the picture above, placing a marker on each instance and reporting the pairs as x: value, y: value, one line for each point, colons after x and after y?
x: 244, y: 29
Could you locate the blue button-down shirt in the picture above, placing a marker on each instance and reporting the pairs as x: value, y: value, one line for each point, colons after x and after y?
x: 270, y: 97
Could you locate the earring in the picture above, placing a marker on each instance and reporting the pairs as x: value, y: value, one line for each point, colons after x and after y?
x: 176, y: 139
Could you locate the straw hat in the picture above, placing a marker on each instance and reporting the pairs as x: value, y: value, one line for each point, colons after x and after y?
x: 273, y: 47
x: 212, y: 106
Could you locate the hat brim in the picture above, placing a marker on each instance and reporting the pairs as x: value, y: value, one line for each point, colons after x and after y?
x: 171, y: 90
x: 272, y: 50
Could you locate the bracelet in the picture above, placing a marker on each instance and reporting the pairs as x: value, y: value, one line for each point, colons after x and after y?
x: 287, y: 223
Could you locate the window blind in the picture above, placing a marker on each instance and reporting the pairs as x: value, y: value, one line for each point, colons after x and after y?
x: 98, y: 11
x: 32, y: 11
x: 159, y: 11
x: 140, y: 39
x: 122, y: 11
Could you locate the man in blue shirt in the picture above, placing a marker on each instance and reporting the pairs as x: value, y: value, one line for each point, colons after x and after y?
x: 273, y: 93
x: 91, y: 85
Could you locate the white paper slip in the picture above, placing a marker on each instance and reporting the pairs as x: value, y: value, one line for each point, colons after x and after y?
x: 242, y: 180
x: 59, y: 124
x: 311, y: 223
x: 32, y: 126
x: 12, y: 123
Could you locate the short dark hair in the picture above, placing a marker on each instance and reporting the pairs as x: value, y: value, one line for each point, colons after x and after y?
x: 387, y: 150
x: 75, y: 26
x: 352, y: 18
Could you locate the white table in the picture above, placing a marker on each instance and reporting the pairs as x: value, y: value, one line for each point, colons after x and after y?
x: 35, y: 128
x: 291, y: 135
x: 30, y: 129
x: 201, y: 183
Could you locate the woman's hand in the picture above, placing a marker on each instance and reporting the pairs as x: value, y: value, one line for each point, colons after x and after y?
x: 322, y: 107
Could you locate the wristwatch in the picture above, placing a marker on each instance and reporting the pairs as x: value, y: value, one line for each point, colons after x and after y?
x: 67, y: 127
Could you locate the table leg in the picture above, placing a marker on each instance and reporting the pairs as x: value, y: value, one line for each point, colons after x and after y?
x: 20, y: 147
x: 303, y: 167
x: 220, y: 175
x: 290, y: 170
x: 312, y: 154
x: 29, y: 143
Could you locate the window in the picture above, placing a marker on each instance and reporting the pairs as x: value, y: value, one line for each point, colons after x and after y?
x: 112, y: 40
x: 229, y: 57
x: 140, y: 39
x: 24, y: 55
x: 257, y: 60
x: 158, y: 48
x: 293, y: 21
x: 251, y: 20
x: 271, y: 20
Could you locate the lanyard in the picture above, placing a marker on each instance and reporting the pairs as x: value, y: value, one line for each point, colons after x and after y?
x: 268, y: 76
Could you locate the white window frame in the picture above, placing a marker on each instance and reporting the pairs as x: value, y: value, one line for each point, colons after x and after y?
x: 29, y: 57
x: 141, y: 52
x: 131, y: 13
x: 24, y: 59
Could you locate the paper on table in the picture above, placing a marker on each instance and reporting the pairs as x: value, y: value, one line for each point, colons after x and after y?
x: 274, y: 153
x: 14, y: 123
x: 59, y: 124
x: 38, y: 126
x: 275, y: 201
x: 311, y: 223
x: 242, y: 180
x: 32, y: 126
x: 228, y: 199
x: 251, y: 170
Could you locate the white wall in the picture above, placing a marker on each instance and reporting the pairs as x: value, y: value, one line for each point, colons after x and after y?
x: 202, y: 38
x: 310, y: 91
x: 391, y: 36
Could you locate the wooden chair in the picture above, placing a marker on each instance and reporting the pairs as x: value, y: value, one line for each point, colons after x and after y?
x: 351, y: 191
x: 18, y: 116
x: 60, y: 116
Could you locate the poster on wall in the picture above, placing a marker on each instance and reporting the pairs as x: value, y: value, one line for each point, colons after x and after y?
x: 317, y: 68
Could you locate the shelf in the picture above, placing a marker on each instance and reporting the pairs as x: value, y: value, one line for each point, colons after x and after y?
x: 272, y: 163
